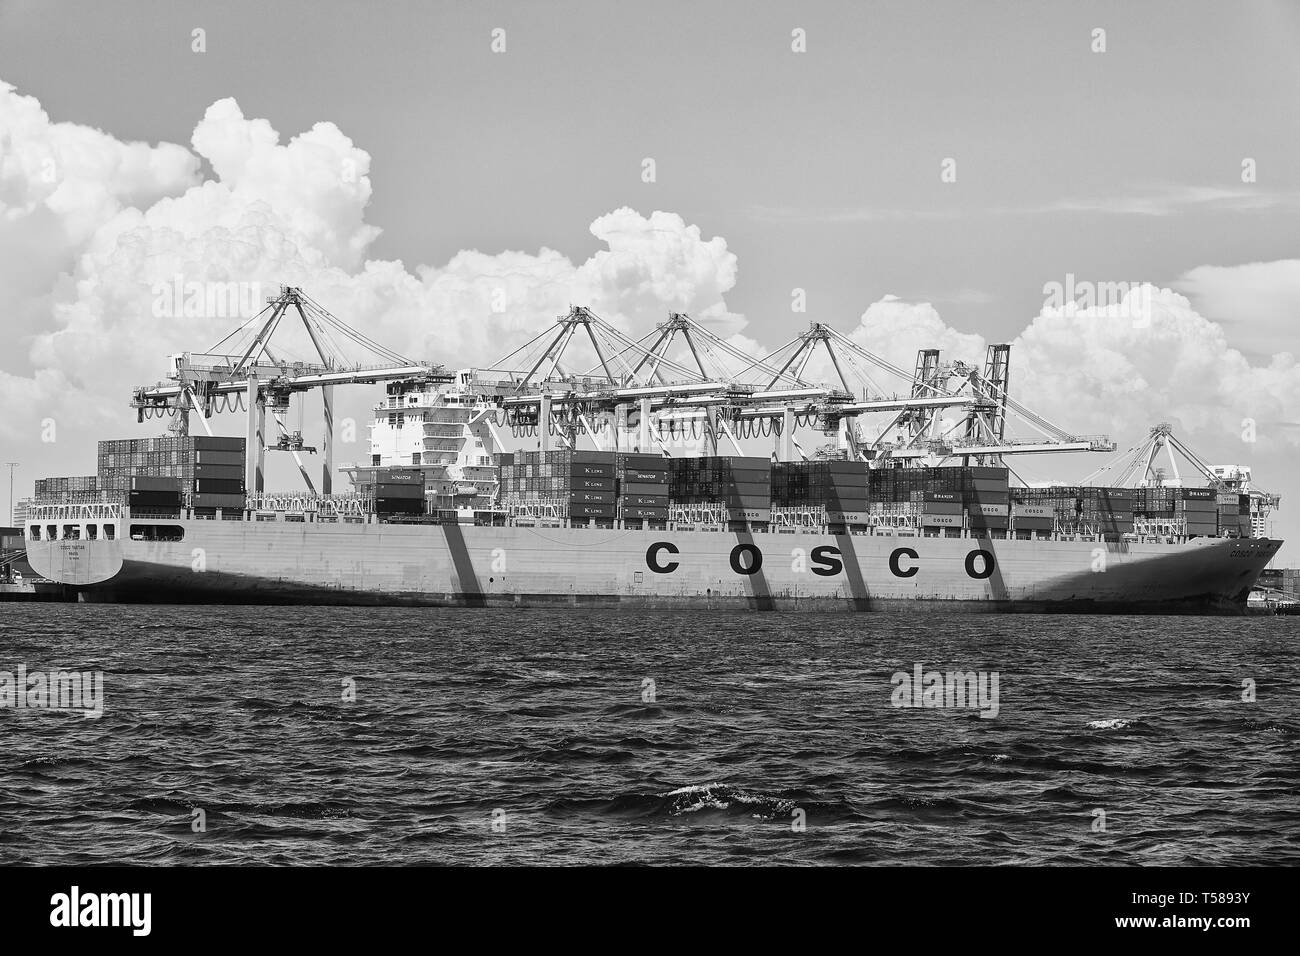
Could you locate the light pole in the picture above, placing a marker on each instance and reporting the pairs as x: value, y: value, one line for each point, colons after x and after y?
x: 12, y: 465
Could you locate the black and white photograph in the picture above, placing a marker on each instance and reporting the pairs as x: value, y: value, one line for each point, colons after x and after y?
x: 496, y: 435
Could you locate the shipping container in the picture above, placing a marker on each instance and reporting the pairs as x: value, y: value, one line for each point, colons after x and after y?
x: 592, y: 469
x: 219, y: 486
x: 1033, y: 511
x: 578, y: 454
x: 639, y: 514
x: 659, y: 476
x: 643, y: 488
x: 145, y: 499
x: 397, y: 489
x: 592, y: 497
x: 206, y: 457
x: 630, y: 460
x: 155, y: 483
x: 941, y: 520
x: 219, y: 501
x: 217, y: 471
x: 1027, y: 523
x: 404, y: 506
x: 216, y: 443
x: 645, y: 501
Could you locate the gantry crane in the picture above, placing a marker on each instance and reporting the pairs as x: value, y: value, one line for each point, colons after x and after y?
x: 245, y: 372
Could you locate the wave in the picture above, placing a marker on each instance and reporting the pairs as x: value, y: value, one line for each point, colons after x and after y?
x: 1110, y: 723
x: 721, y: 799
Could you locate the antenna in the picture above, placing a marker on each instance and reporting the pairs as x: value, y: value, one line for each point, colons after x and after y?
x: 12, y: 465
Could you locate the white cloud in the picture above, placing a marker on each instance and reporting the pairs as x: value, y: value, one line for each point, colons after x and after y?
x: 1258, y: 302
x: 1114, y: 369
x: 291, y: 213
x: 59, y: 184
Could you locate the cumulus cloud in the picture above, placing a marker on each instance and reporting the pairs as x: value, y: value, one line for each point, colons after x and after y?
x: 1258, y: 303
x: 1114, y: 369
x: 1149, y: 358
x: 59, y: 184
x: 131, y: 219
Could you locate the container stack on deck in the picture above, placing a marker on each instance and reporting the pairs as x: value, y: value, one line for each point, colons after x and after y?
x: 740, y: 487
x: 838, y: 489
x: 1199, y: 511
x: 941, y: 512
x: 945, y: 501
x: 641, y: 483
x: 1156, y: 502
x: 154, y: 495
x: 1108, y: 510
x: 399, y: 491
x: 986, y: 495
x: 1060, y: 503
x: 576, y: 484
x: 590, y: 484
x: 1234, y: 513
x: 51, y: 489
x: 218, y: 469
x: 1245, y: 527
x: 210, y: 468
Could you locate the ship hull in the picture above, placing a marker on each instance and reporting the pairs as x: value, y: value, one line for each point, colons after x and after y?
x: 450, y: 565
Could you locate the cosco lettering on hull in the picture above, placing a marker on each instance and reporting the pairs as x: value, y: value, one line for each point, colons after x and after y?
x: 827, y: 561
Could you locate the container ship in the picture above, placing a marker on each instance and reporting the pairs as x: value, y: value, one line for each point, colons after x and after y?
x: 443, y: 515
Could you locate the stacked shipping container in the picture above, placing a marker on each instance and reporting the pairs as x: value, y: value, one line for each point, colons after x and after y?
x: 840, y: 488
x: 58, y: 487
x: 590, y: 484
x: 739, y: 485
x: 211, y: 468
x: 1234, y: 513
x: 641, y: 483
x: 218, y: 473
x: 399, y: 491
x: 155, y: 495
x: 986, y: 495
x: 1198, y: 509
x: 1108, y: 510
x: 579, y: 484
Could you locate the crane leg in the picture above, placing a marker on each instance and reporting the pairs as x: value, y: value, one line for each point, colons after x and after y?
x: 255, y: 445
x: 327, y: 442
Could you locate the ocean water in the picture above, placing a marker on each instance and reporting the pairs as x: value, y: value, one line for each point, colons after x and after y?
x: 576, y: 737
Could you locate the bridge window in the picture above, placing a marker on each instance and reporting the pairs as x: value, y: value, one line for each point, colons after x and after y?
x: 72, y: 532
x: 110, y: 531
x: 157, y: 532
x: 51, y: 531
x: 36, y: 532
x: 92, y: 532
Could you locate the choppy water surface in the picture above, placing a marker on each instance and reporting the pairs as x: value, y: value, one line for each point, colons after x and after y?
x: 535, y: 737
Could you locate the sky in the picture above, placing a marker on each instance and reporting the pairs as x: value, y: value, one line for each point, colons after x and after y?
x: 922, y: 172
